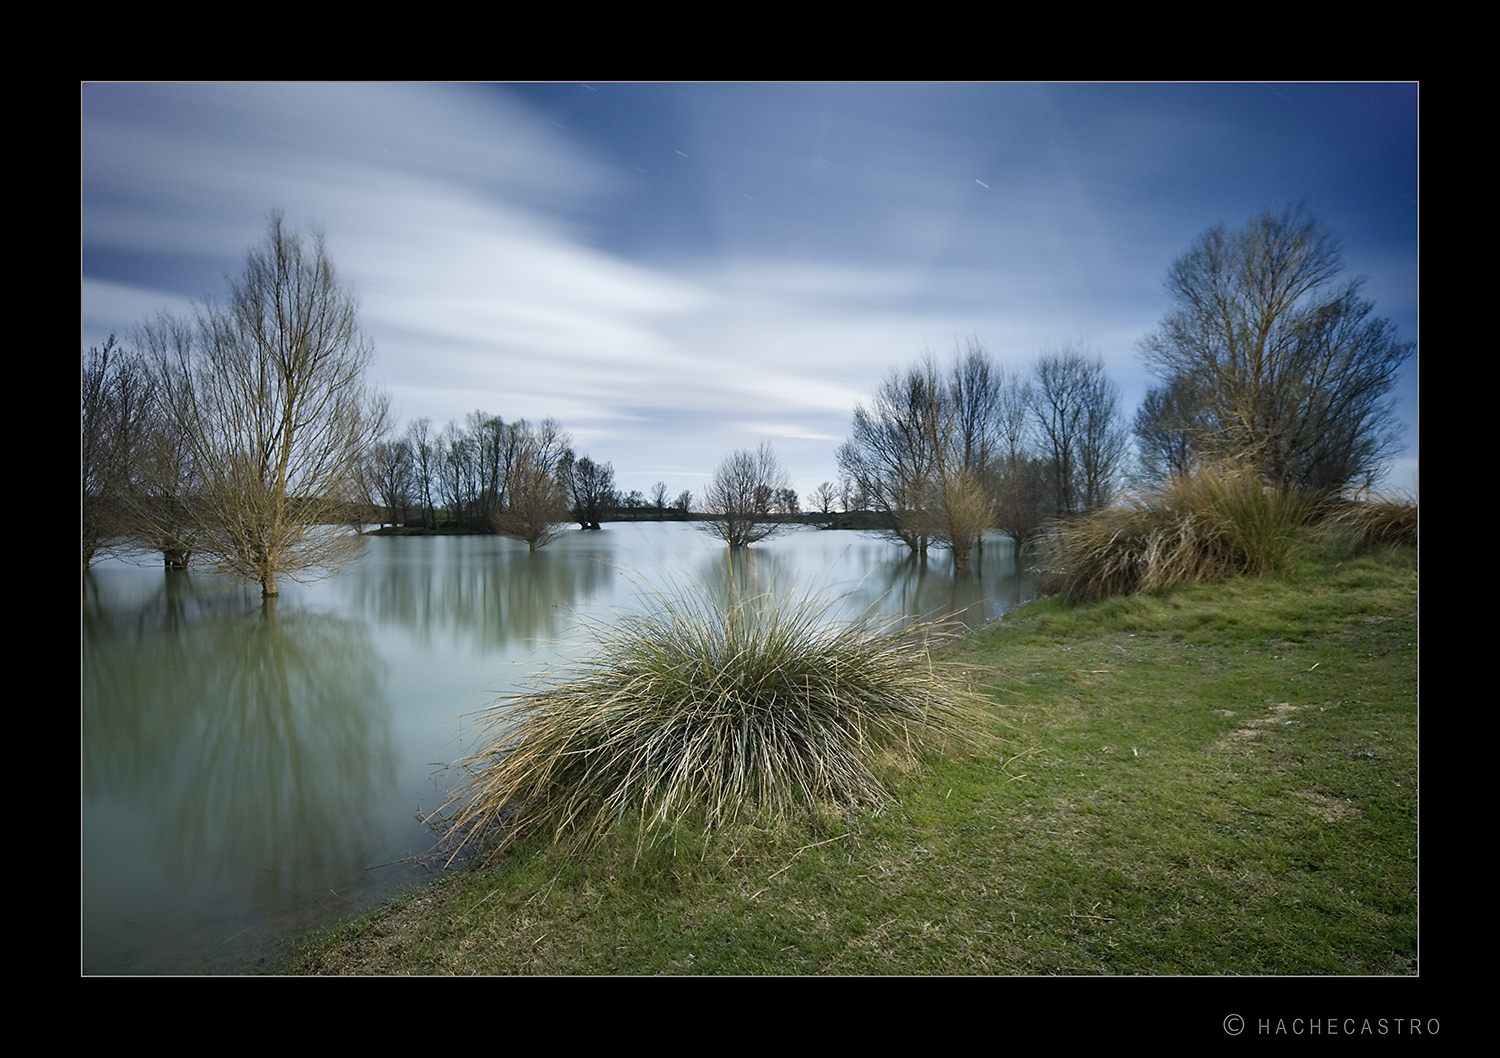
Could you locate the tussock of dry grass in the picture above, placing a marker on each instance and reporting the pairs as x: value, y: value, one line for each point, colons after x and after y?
x: 707, y: 710
x: 1379, y: 520
x: 1204, y: 527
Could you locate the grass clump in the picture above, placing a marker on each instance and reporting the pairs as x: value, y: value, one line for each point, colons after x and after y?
x: 707, y: 709
x: 1373, y: 522
x: 1206, y: 526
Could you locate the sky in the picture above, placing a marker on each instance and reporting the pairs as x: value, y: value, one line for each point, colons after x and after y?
x: 676, y: 271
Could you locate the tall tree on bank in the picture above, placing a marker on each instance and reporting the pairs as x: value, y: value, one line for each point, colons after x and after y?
x: 1286, y: 368
x: 269, y: 404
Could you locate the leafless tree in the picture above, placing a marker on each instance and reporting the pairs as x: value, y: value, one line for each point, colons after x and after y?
x: 659, y: 498
x: 389, y: 478
x: 1076, y: 415
x: 1166, y: 428
x: 115, y: 423
x: 891, y: 455
x: 824, y: 498
x: 1286, y: 367
x: 923, y: 452
x: 591, y: 486
x: 423, y: 464
x: 738, y: 498
x: 270, y: 408
x: 1019, y: 477
x: 536, y: 511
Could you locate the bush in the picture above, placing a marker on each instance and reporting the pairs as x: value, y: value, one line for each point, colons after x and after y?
x: 1205, y: 526
x: 707, y: 709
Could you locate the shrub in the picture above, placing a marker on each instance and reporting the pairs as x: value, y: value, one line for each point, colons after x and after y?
x: 707, y: 709
x: 1205, y: 526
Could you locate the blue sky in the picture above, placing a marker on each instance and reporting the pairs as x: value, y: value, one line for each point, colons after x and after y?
x: 675, y: 271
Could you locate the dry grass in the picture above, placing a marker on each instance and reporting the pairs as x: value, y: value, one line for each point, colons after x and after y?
x: 1204, y: 527
x: 706, y: 710
x: 1375, y: 521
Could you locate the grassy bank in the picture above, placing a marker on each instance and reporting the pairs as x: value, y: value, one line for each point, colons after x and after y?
x: 1218, y: 779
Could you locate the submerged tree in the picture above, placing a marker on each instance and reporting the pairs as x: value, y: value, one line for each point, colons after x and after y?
x: 537, y: 510
x: 739, y: 499
x: 267, y: 400
x: 115, y: 404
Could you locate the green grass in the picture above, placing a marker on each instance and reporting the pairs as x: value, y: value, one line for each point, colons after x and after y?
x: 1215, y: 779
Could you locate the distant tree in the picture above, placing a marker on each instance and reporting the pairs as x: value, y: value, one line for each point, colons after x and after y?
x: 633, y: 502
x: 423, y: 463
x: 389, y: 479
x: 683, y: 502
x: 1076, y: 414
x: 659, y: 498
x: 824, y: 498
x: 269, y: 405
x: 591, y: 487
x: 787, y: 502
x: 1166, y: 425
x: 116, y: 414
x: 737, y: 500
x: 1287, y: 369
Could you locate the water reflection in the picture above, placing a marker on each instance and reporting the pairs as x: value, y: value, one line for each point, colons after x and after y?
x: 247, y: 770
x: 247, y: 745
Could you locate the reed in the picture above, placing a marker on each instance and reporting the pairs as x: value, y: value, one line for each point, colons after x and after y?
x: 709, y: 709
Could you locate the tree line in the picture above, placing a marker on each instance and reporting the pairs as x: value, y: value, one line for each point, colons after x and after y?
x: 246, y: 433
x: 484, y: 475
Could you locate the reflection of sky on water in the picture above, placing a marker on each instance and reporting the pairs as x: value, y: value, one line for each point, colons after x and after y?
x: 245, y: 768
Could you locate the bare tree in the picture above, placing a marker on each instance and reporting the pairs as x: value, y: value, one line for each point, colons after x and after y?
x: 389, y: 478
x: 923, y: 451
x: 1019, y: 478
x: 738, y: 499
x: 536, y: 511
x: 1076, y: 415
x: 683, y: 502
x: 1286, y: 367
x: 423, y: 463
x: 591, y: 486
x: 659, y: 499
x: 272, y: 413
x: 116, y: 407
x: 891, y: 454
x: 1166, y: 426
x: 824, y: 498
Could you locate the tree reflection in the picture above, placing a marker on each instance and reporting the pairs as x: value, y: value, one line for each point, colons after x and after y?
x: 256, y: 743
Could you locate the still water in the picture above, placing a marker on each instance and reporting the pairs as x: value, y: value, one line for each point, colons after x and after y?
x: 253, y: 772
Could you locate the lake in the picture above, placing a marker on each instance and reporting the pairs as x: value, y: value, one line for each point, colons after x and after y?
x: 254, y: 772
